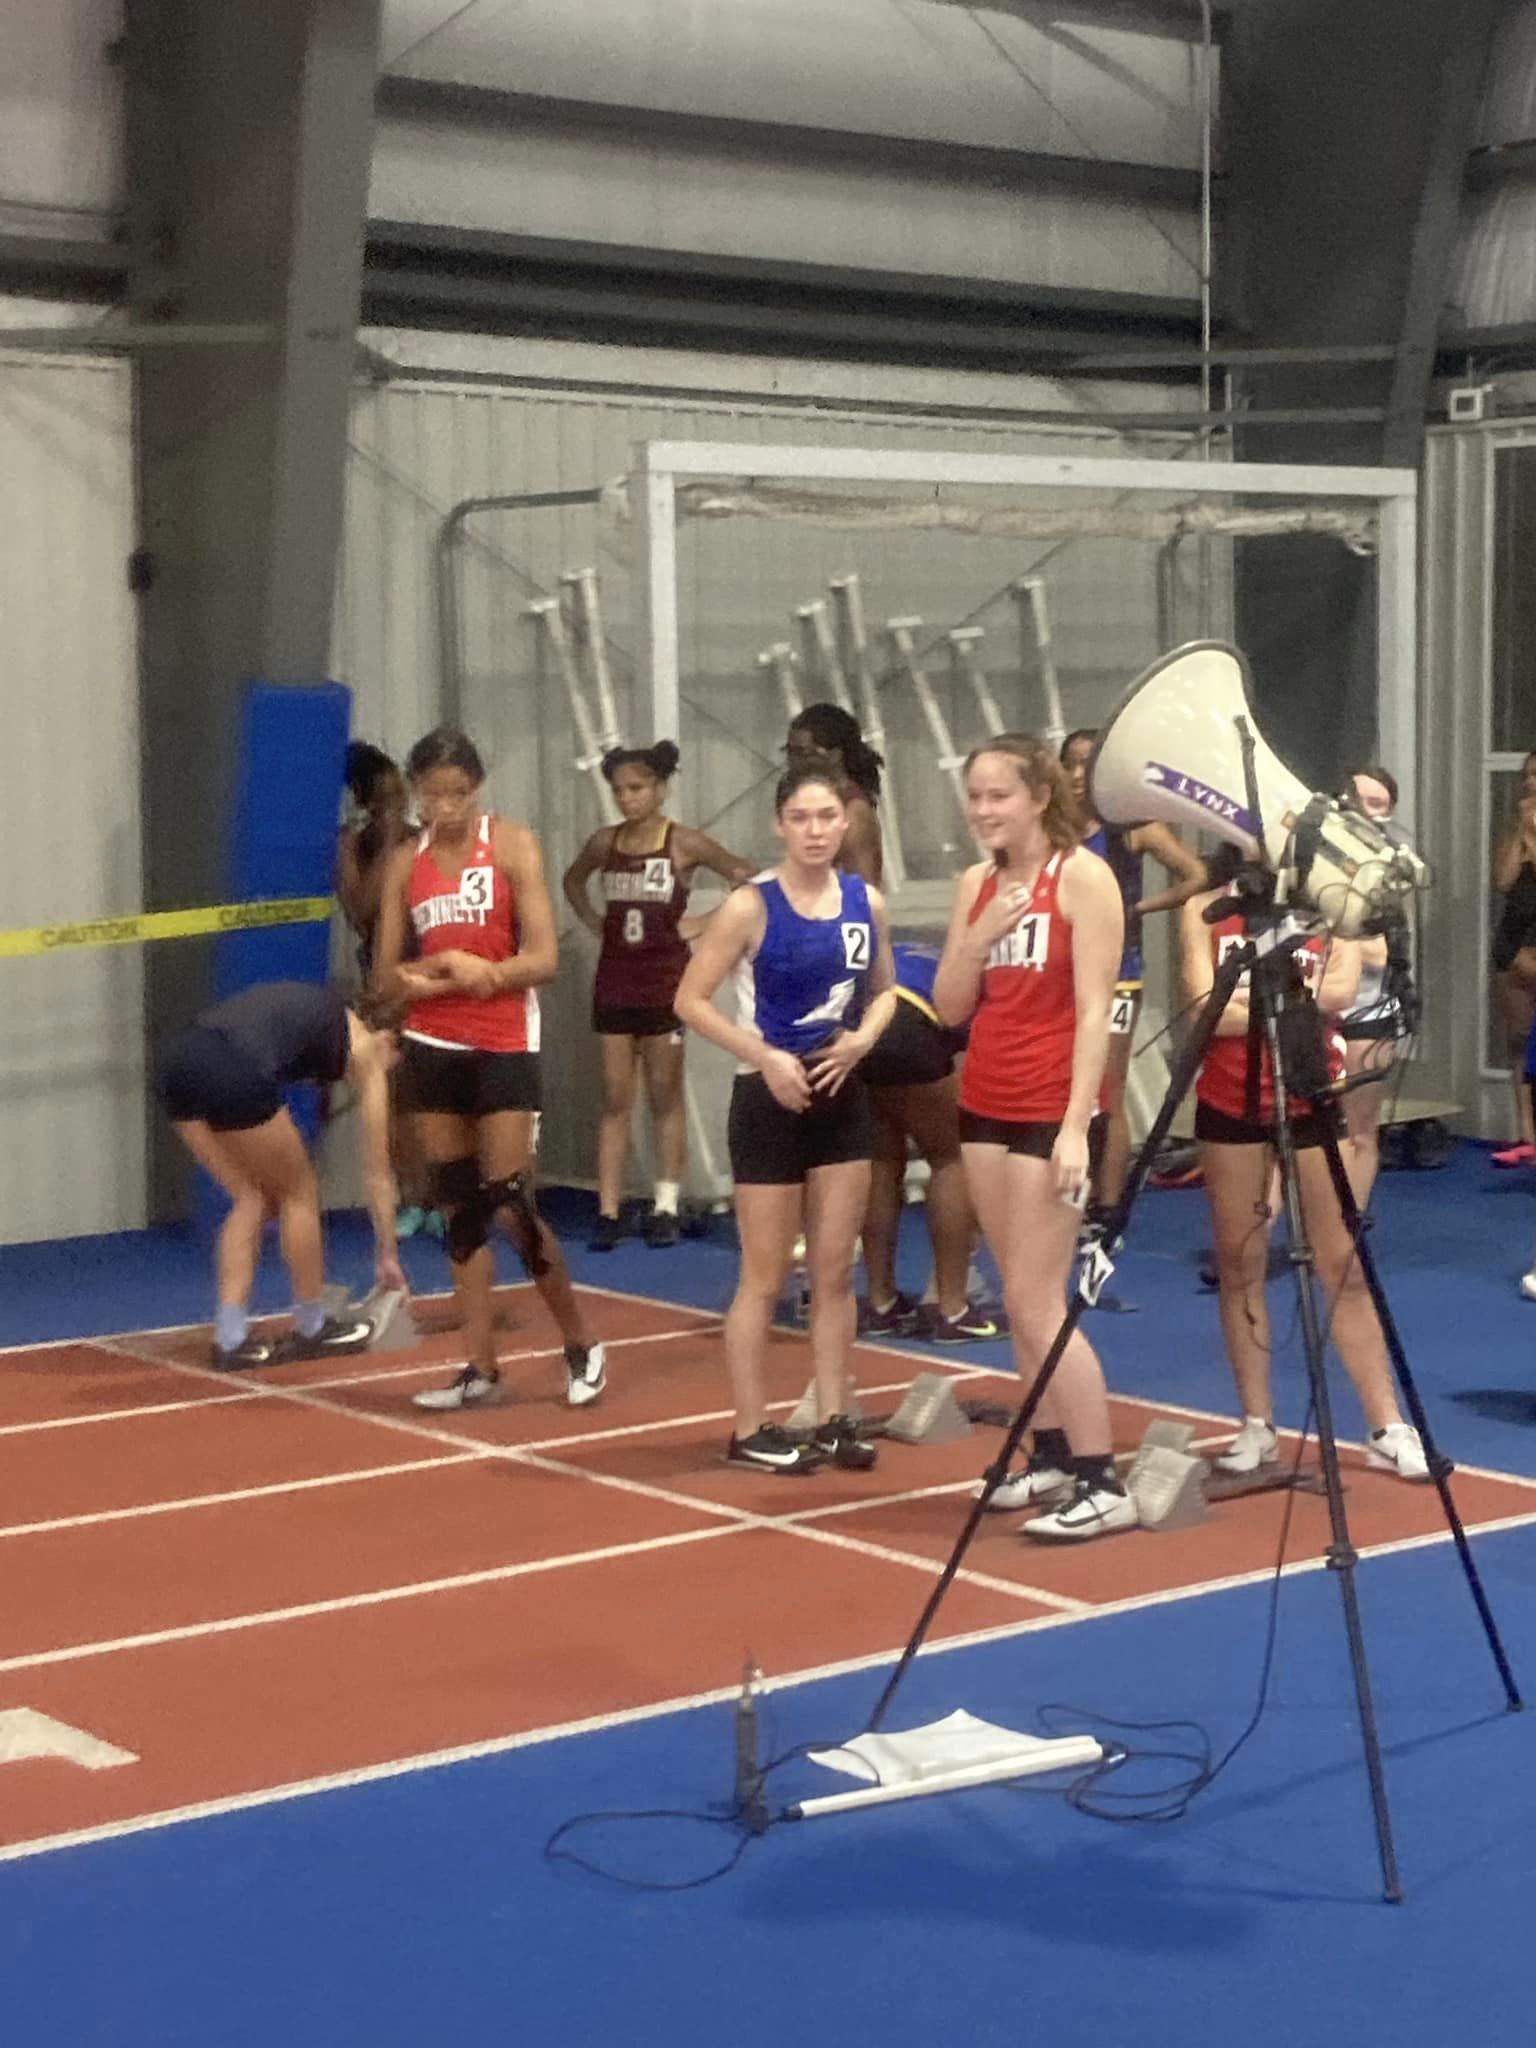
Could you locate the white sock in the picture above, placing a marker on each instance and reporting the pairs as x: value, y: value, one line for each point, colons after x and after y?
x: 665, y: 1201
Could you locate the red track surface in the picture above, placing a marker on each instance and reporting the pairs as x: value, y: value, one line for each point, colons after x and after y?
x: 381, y: 1584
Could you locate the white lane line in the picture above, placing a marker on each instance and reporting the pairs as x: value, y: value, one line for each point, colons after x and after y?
x: 131, y: 1414
x: 242, y: 1389
x: 380, y: 1596
x: 241, y: 1493
x: 597, y: 1724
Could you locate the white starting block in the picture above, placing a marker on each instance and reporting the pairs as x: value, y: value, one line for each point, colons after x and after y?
x: 1167, y: 1478
x: 383, y: 1307
x: 929, y: 1413
x: 803, y: 1417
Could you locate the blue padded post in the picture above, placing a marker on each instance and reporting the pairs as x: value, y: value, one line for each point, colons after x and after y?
x: 284, y: 811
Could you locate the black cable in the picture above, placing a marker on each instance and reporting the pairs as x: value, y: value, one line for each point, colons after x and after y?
x: 1137, y: 1807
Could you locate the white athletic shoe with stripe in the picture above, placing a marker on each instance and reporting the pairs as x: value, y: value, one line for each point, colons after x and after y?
x: 586, y: 1374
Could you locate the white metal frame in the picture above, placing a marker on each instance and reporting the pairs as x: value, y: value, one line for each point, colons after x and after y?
x: 659, y: 466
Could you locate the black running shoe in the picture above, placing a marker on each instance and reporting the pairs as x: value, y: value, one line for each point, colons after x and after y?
x: 335, y: 1338
x: 772, y: 1449
x: 606, y: 1234
x: 250, y: 1351
x: 838, y: 1438
x: 661, y: 1229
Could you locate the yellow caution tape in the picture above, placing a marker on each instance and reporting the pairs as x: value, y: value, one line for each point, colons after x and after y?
x: 164, y: 924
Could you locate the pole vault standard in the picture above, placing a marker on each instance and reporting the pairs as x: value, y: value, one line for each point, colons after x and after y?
x: 659, y: 466
x: 848, y: 607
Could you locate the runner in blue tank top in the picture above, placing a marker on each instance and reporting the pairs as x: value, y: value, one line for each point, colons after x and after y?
x: 808, y: 946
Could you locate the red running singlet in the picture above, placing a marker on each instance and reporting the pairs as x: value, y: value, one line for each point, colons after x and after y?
x: 472, y: 911
x: 1019, y: 1065
x: 642, y: 957
x: 1223, y: 1078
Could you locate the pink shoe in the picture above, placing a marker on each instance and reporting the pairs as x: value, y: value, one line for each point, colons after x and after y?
x: 1516, y: 1155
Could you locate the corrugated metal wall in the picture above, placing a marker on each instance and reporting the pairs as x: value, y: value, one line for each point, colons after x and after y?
x: 420, y: 448
x: 71, y: 1031
x: 1470, y: 778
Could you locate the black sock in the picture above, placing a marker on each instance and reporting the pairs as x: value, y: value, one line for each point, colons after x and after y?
x: 1100, y: 1473
x: 1052, y: 1448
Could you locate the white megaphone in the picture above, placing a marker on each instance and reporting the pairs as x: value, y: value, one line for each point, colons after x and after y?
x: 1174, y: 752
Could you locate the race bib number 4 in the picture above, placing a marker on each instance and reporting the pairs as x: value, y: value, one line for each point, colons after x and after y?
x: 1122, y: 1015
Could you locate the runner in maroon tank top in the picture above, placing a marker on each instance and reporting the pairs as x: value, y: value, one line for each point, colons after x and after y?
x: 645, y: 866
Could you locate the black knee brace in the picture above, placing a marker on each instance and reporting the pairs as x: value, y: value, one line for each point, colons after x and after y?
x: 456, y: 1191
x: 511, y: 1200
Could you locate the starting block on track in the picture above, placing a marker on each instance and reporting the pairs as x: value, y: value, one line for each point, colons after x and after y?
x: 1167, y: 1479
x: 802, y: 1418
x: 929, y: 1413
x: 383, y: 1307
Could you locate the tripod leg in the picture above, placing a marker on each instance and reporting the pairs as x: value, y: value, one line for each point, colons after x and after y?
x: 1342, y: 1555
x: 1095, y: 1271
x: 996, y: 1473
x: 1440, y: 1466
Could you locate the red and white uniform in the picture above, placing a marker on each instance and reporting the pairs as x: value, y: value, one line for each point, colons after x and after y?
x: 1222, y: 1082
x: 642, y: 958
x: 1019, y: 1064
x: 470, y: 911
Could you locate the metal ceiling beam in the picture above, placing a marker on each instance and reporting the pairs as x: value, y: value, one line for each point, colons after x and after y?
x: 502, y: 284
x: 41, y: 266
x: 912, y: 156
x: 1178, y: 20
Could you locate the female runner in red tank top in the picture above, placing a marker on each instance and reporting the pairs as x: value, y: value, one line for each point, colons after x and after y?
x: 1033, y: 950
x: 646, y: 865
x: 473, y: 888
x: 1238, y: 1160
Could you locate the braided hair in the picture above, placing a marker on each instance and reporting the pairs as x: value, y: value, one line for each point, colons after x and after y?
x: 837, y: 731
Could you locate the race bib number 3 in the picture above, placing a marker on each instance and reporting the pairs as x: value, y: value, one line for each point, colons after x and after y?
x: 475, y: 889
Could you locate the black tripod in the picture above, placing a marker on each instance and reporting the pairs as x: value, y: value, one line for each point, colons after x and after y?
x: 1285, y: 1017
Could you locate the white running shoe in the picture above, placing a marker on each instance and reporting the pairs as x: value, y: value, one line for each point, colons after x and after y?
x: 1092, y: 1511
x: 1036, y: 1486
x: 467, y: 1389
x: 1254, y: 1446
x: 586, y: 1375
x: 1528, y: 1286
x: 1397, y: 1449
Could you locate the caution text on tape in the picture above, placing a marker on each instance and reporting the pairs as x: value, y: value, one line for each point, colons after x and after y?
x: 164, y: 924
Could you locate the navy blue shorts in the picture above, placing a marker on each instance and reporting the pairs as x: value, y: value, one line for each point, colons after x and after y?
x: 208, y: 1078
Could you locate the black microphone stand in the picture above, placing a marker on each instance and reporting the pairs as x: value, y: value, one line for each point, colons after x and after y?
x: 1266, y: 957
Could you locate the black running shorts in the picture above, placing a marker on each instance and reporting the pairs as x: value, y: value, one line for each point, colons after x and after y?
x: 443, y: 1080
x: 1031, y: 1140
x: 1215, y: 1127
x: 910, y: 1052
x: 771, y: 1146
x: 627, y: 1020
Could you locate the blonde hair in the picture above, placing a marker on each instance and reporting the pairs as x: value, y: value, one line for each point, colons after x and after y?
x: 1039, y: 770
